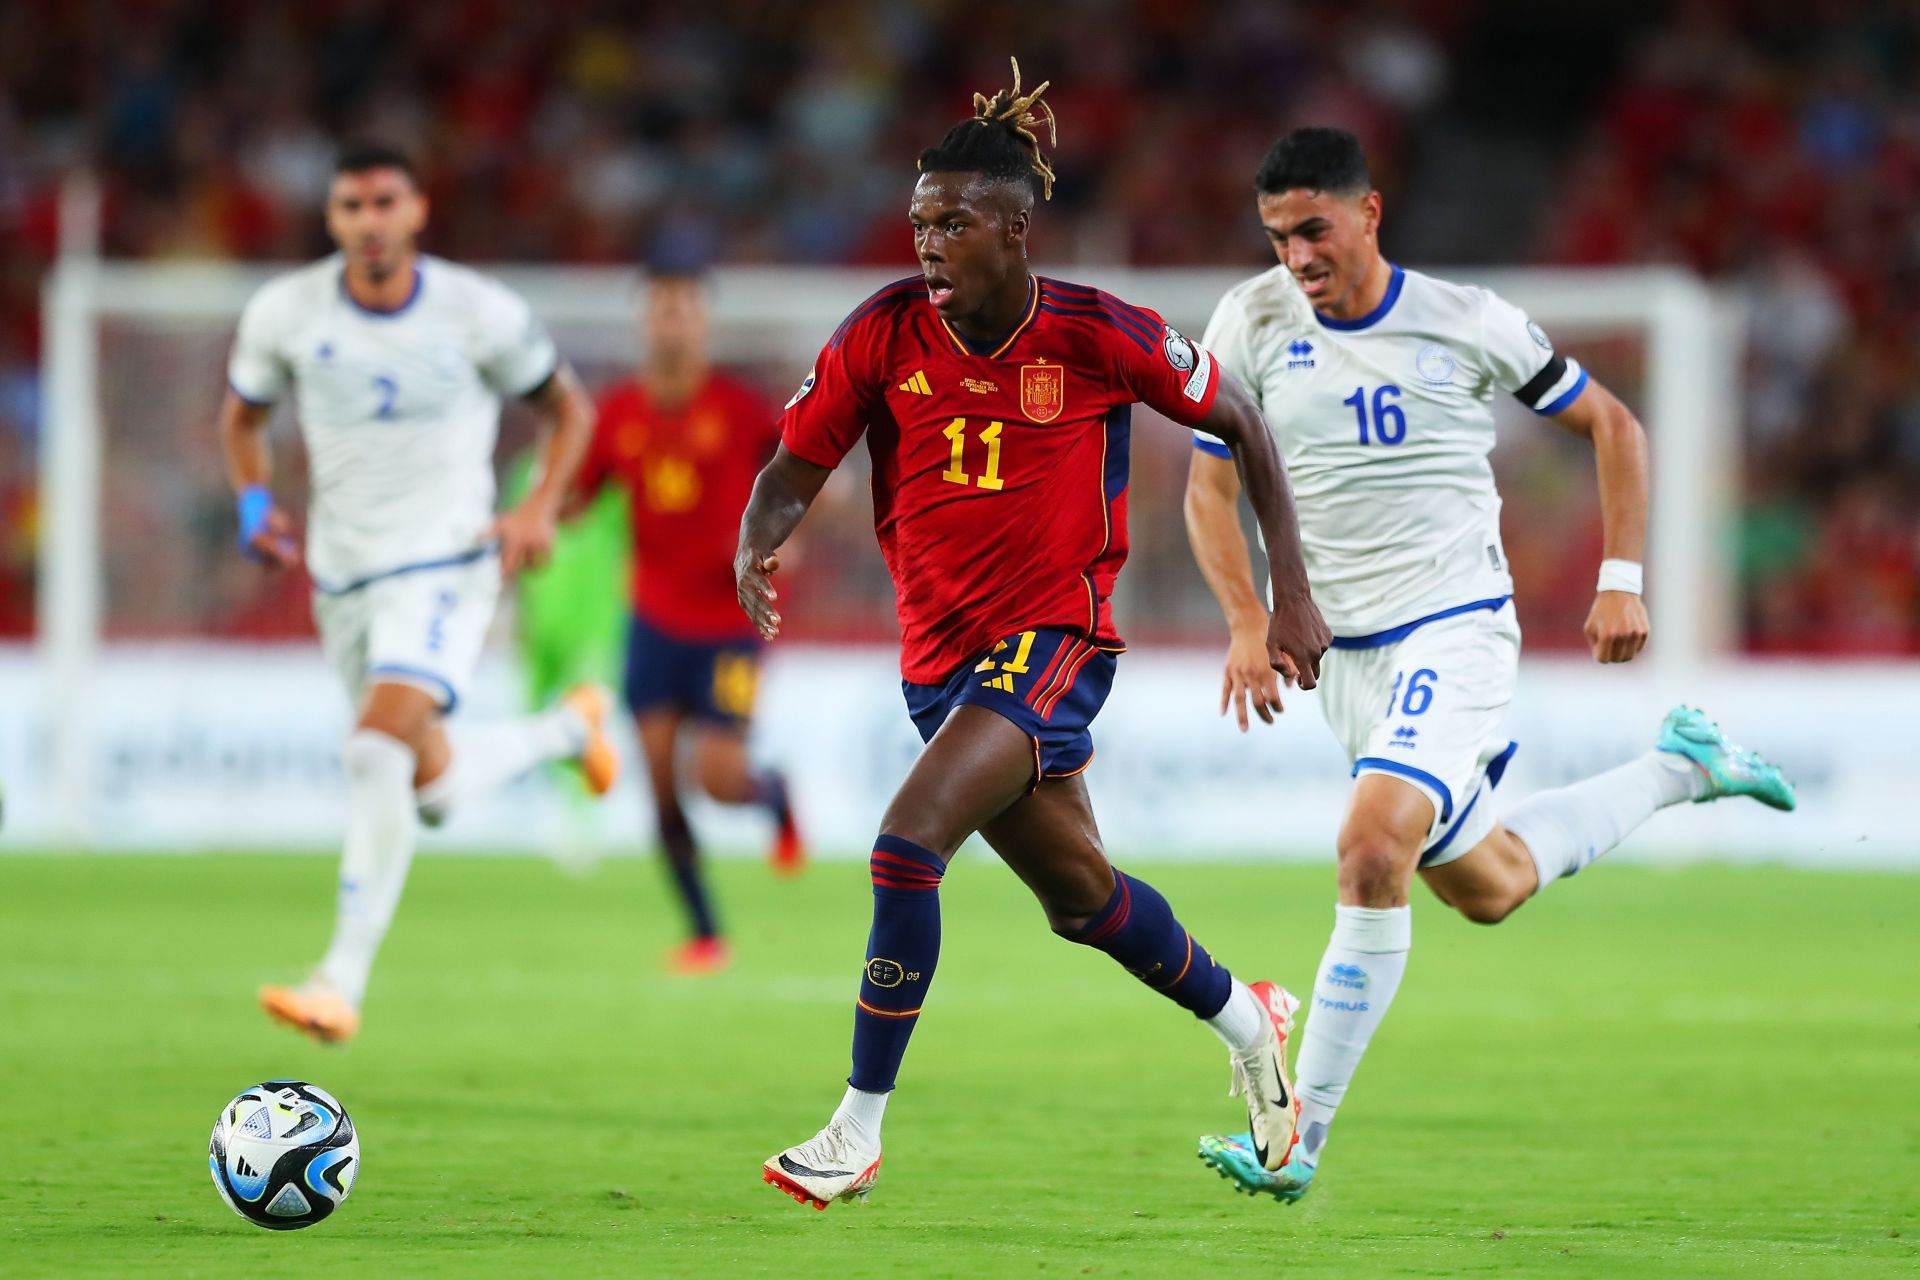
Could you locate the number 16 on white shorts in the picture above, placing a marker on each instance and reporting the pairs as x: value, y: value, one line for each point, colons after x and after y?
x: 1430, y: 708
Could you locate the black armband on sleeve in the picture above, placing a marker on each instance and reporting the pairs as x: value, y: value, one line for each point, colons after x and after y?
x: 1542, y: 382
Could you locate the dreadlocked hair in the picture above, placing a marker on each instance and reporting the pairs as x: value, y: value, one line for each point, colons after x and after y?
x: 1001, y: 140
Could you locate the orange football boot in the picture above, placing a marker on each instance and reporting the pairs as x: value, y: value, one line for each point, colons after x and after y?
x: 599, y: 762
x: 314, y: 1009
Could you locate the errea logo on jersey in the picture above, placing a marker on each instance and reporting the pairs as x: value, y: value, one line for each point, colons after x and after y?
x: 1299, y: 354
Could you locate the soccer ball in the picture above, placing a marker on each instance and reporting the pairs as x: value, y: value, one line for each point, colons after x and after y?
x: 284, y: 1154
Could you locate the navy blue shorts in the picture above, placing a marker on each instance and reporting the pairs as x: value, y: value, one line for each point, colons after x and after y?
x: 1051, y: 683
x: 707, y: 679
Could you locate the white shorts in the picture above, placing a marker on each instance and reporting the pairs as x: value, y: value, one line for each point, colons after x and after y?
x: 1430, y: 707
x: 423, y: 627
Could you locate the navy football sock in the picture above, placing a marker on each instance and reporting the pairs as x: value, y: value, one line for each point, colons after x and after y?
x: 902, y: 949
x: 1137, y: 928
x: 683, y: 860
x: 770, y: 792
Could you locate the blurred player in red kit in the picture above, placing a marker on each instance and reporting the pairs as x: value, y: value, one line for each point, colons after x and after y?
x: 685, y: 441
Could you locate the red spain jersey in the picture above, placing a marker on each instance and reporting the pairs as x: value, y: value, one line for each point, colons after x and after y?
x: 999, y: 474
x: 688, y: 470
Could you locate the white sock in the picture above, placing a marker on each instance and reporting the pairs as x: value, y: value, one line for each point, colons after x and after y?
x: 1361, y: 970
x: 485, y: 756
x: 375, y: 858
x: 1242, y: 1021
x: 859, y: 1115
x: 1568, y: 827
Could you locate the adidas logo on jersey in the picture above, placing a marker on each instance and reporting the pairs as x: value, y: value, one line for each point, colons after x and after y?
x: 1300, y: 354
x: 917, y: 384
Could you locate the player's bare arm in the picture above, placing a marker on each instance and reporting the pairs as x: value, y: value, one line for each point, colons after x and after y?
x: 1220, y: 549
x: 566, y: 428
x: 1616, y: 627
x: 1296, y: 634
x: 266, y: 533
x: 782, y: 492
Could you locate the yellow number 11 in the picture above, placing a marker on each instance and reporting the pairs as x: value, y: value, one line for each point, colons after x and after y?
x: 956, y: 470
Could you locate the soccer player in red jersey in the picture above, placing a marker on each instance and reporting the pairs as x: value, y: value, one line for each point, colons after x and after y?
x: 685, y: 442
x: 996, y: 406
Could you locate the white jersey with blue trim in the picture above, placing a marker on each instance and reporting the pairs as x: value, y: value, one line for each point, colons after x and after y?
x: 1385, y: 423
x: 399, y: 409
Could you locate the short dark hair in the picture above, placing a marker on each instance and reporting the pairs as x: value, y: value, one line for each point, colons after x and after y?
x: 677, y: 258
x: 1315, y: 160
x: 1000, y: 140
x: 363, y: 155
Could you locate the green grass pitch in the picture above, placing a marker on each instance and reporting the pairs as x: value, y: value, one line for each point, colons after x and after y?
x: 1702, y: 1072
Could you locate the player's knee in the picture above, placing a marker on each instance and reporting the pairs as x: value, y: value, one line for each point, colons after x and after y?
x: 407, y: 722
x: 723, y: 779
x: 1073, y: 900
x: 928, y: 830
x: 368, y: 754
x: 1374, y: 867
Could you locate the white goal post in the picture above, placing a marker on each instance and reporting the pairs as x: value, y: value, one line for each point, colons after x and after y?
x: 1692, y: 341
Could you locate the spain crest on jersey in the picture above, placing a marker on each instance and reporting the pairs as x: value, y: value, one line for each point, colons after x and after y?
x: 1043, y: 391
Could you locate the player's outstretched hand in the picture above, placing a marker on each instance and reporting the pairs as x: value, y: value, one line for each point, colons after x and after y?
x: 1296, y: 637
x: 525, y: 535
x: 753, y: 584
x: 1249, y: 675
x: 272, y: 544
x: 1616, y: 626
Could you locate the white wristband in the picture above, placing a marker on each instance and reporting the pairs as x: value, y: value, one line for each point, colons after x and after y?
x: 1620, y: 575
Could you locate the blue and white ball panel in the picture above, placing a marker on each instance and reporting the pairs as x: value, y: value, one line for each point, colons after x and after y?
x: 283, y: 1154
x: 424, y: 627
x: 1430, y: 708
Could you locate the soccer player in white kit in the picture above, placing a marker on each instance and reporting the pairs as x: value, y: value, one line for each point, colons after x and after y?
x: 1379, y: 383
x: 398, y: 362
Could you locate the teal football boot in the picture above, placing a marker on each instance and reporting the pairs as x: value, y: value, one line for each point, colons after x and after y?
x: 1231, y: 1156
x: 1730, y: 771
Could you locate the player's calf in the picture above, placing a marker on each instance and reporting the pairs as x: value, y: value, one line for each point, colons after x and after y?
x: 1490, y: 882
x: 1137, y: 928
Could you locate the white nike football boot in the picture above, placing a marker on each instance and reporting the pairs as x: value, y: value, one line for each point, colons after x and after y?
x: 1260, y: 1076
x: 824, y: 1168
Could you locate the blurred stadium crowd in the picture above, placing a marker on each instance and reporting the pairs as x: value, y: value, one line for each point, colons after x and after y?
x: 1770, y: 145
